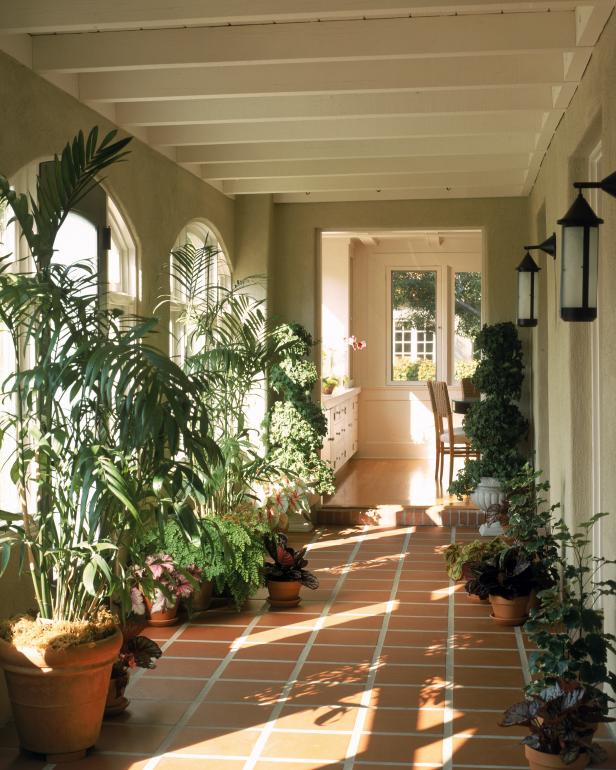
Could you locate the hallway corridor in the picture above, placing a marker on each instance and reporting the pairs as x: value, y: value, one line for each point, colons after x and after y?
x: 360, y: 675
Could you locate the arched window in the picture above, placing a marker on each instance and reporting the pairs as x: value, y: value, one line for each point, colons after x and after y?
x: 122, y: 274
x: 217, y: 273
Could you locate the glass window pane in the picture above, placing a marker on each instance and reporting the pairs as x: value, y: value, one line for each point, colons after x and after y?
x: 413, y: 302
x: 467, y: 321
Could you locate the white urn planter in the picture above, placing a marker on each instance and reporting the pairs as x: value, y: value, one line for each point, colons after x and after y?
x: 489, y: 492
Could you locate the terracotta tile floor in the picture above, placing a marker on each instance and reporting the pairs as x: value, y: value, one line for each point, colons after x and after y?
x: 386, y: 666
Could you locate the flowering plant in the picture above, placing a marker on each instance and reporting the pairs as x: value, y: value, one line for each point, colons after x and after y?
x: 356, y: 344
x: 163, y: 582
x: 280, y: 498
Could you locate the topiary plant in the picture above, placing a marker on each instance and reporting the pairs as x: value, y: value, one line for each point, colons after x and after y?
x: 495, y: 425
x: 296, y: 425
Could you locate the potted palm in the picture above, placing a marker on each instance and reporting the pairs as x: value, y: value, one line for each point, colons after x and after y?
x: 104, y: 432
x: 286, y: 573
x: 560, y: 718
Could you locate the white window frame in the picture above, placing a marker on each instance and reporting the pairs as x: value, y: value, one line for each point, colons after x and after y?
x: 197, y: 233
x: 122, y: 295
x: 440, y: 334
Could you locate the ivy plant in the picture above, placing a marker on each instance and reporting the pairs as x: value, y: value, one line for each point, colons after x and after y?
x: 296, y: 425
x: 495, y: 425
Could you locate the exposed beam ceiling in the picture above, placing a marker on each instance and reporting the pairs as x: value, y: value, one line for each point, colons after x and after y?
x: 325, y: 99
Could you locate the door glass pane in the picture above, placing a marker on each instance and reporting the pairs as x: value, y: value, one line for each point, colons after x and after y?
x: 467, y: 321
x: 413, y: 303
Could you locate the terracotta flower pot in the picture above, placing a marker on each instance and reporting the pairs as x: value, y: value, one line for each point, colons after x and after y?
x: 168, y: 617
x: 509, y: 612
x: 202, y: 598
x: 58, y: 696
x: 284, y: 593
x: 538, y: 760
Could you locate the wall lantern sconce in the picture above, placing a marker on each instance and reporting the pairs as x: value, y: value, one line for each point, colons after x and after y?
x: 528, y: 279
x: 580, y: 254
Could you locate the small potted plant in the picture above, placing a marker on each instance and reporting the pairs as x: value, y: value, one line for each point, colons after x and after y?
x: 510, y: 579
x: 561, y: 719
x: 136, y: 652
x: 286, y: 573
x: 329, y: 383
x: 163, y: 584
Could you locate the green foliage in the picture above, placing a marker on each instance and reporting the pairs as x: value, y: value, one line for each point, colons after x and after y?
x: 568, y: 627
x: 108, y: 434
x: 457, y: 556
x: 465, y: 370
x: 296, y: 425
x: 240, y: 572
x: 406, y: 370
x: 495, y: 425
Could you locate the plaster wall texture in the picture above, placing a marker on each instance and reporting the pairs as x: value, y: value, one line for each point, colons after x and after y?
x: 577, y: 461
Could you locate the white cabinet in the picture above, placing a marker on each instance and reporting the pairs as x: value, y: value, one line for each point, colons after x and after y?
x: 342, y: 412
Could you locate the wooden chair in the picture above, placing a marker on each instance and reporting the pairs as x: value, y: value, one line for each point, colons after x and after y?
x: 449, y: 440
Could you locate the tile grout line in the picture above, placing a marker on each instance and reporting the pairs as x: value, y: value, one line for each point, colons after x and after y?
x: 360, y: 719
x: 255, y: 754
x: 447, y: 745
x: 523, y: 656
x: 201, y: 696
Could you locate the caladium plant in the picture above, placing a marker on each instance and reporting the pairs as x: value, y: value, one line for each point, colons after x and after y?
x: 287, y: 564
x: 509, y: 573
x: 562, y: 719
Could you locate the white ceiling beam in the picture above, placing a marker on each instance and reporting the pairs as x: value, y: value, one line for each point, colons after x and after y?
x: 298, y: 168
x: 324, y: 77
x: 480, y: 144
x: 285, y: 43
x: 40, y: 16
x: 416, y: 193
x: 349, y: 128
x: 374, y: 182
x: 591, y: 18
x: 276, y: 108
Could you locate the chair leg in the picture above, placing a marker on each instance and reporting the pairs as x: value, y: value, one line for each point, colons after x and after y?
x: 440, y: 475
x: 451, y: 457
x: 438, y: 457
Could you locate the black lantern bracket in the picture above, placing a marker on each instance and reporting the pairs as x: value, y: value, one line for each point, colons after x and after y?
x: 607, y: 185
x: 548, y: 246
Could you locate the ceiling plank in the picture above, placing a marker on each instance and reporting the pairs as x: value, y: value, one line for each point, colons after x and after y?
x: 491, y: 144
x: 415, y: 193
x: 374, y: 182
x: 40, y: 16
x: 297, y: 168
x: 307, y: 107
x: 408, y: 38
x: 323, y: 77
x: 349, y: 128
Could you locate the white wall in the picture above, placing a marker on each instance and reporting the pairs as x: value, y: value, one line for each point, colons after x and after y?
x: 395, y: 420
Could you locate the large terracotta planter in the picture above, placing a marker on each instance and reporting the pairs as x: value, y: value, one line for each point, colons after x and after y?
x: 538, y: 760
x: 284, y: 593
x: 168, y: 617
x: 202, y: 598
x: 58, y: 696
x: 509, y: 612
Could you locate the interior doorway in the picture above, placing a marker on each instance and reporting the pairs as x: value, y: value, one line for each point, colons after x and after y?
x: 398, y: 308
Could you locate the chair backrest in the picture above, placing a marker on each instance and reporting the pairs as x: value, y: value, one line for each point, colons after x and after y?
x: 469, y: 390
x: 442, y: 405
